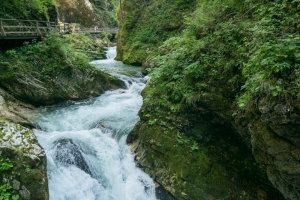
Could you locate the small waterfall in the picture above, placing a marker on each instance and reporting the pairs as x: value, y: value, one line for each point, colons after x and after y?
x: 85, y: 142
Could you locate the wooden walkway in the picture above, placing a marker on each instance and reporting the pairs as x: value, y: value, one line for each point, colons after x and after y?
x: 31, y: 29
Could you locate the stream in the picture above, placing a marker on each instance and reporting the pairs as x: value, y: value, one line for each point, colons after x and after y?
x: 85, y: 142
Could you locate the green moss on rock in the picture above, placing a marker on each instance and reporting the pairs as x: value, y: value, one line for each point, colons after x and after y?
x: 233, y: 66
x: 27, y: 175
x: 54, y: 70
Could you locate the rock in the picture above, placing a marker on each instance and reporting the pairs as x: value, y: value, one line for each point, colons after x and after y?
x: 275, y: 142
x: 201, y: 154
x: 13, y: 109
x: 16, y: 185
x: 28, y: 176
x: 87, y: 13
x: 68, y: 153
x: 70, y: 84
x: 24, y: 193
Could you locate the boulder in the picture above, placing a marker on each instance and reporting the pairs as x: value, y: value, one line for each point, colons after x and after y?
x: 25, y: 170
x: 69, y: 84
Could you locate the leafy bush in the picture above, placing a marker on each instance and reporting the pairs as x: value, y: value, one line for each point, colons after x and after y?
x: 6, y: 191
x: 28, y: 9
x: 48, y: 57
x: 229, y: 51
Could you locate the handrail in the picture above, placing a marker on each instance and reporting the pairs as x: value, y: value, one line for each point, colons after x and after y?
x: 22, y: 28
x: 26, y: 20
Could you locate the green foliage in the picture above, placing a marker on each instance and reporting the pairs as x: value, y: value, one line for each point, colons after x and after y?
x: 28, y: 9
x: 145, y: 27
x: 226, y: 53
x: 92, y: 46
x: 49, y: 57
x: 5, y: 164
x: 230, y: 51
x: 6, y: 191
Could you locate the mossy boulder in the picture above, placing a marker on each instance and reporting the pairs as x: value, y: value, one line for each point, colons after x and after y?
x: 54, y: 70
x: 23, y: 163
x: 196, y: 155
x: 69, y: 84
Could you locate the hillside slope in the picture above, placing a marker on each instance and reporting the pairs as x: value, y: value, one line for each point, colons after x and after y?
x: 220, y: 118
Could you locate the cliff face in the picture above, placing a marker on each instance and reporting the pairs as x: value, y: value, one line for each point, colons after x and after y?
x: 88, y: 13
x: 224, y: 96
x: 144, y: 25
x: 28, y: 9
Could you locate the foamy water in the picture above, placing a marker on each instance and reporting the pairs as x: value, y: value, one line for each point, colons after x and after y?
x: 85, y: 142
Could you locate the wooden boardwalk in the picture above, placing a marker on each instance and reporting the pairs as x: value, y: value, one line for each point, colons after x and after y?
x: 31, y: 29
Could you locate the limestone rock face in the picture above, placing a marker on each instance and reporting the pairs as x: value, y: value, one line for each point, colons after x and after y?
x: 274, y: 137
x: 13, y: 109
x: 88, y: 13
x: 69, y: 84
x: 196, y: 156
x: 28, y: 173
x: 76, y: 11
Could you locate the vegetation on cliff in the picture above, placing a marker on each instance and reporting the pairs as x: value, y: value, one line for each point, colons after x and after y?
x: 29, y: 9
x: 88, y: 13
x: 54, y: 70
x: 84, y: 12
x: 144, y: 27
x: 233, y: 64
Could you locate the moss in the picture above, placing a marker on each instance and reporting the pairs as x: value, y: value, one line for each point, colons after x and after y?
x: 56, y: 69
x: 194, y: 153
x: 29, y: 9
x: 229, y: 67
x: 136, y: 39
x: 26, y: 160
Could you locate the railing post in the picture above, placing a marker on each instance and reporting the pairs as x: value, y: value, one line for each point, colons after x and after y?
x: 49, y: 26
x: 2, y: 29
x: 37, y: 28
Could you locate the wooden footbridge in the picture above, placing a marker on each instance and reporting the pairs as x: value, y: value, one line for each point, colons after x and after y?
x: 32, y: 29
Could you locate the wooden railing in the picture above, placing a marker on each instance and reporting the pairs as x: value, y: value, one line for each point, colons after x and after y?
x: 15, y: 28
x: 21, y: 28
x: 95, y: 30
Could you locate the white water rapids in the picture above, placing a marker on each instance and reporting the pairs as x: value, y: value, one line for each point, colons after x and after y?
x: 85, y: 142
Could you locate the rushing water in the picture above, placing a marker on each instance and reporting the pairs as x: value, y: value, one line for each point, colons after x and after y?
x: 85, y: 142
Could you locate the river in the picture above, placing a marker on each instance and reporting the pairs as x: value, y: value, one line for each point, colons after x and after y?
x: 85, y: 142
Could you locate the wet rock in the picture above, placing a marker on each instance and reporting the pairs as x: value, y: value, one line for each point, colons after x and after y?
x: 24, y: 193
x: 68, y: 153
x: 70, y: 84
x: 13, y: 109
x: 162, y: 193
x: 16, y: 185
x: 28, y: 173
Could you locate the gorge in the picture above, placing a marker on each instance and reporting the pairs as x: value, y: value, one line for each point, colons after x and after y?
x: 198, y: 101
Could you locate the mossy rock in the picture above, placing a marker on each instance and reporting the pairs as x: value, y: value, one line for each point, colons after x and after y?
x: 27, y: 171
